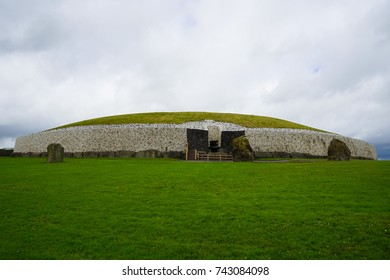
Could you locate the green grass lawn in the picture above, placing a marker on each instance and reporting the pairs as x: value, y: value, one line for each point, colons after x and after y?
x: 171, y: 209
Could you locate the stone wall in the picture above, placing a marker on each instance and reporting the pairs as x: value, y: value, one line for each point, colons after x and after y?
x: 304, y: 142
x: 106, y: 138
x: 169, y: 139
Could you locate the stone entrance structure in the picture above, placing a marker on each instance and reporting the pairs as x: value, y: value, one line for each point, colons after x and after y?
x: 214, y: 138
x: 227, y: 140
x: 212, y: 141
x: 197, y: 140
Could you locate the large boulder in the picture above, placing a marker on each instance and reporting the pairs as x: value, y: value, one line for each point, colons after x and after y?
x: 55, y: 153
x: 242, y: 150
x: 338, y: 150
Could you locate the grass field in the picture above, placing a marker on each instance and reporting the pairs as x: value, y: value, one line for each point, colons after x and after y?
x: 182, y: 117
x: 171, y: 209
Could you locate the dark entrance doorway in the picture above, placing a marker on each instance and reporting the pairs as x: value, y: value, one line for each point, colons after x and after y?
x: 214, y: 147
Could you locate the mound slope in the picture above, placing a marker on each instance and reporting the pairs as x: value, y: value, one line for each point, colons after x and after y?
x: 250, y: 121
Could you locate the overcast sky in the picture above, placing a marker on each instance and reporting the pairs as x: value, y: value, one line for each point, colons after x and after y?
x: 320, y: 63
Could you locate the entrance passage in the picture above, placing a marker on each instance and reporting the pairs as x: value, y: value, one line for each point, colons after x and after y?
x: 214, y: 147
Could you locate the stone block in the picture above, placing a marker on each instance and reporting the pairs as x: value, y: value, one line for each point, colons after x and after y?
x: 149, y: 154
x: 106, y: 154
x: 90, y: 154
x: 125, y: 154
x: 55, y: 153
x: 242, y: 151
x: 78, y: 155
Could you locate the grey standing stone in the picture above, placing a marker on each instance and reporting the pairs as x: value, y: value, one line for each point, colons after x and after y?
x: 55, y: 153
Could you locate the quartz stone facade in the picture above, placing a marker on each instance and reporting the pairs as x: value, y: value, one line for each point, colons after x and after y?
x: 169, y: 140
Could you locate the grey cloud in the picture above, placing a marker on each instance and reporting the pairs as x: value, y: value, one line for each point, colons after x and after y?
x: 8, y: 134
x: 27, y: 26
x: 324, y: 64
x: 383, y: 151
x: 11, y: 131
x: 39, y: 36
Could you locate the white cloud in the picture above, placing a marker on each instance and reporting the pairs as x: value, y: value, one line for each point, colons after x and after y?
x: 320, y: 63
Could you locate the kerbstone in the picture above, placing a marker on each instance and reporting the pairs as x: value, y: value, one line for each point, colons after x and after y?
x: 55, y: 153
x: 242, y: 150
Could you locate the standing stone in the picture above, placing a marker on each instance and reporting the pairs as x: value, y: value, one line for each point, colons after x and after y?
x: 55, y: 153
x: 242, y: 150
x: 338, y: 150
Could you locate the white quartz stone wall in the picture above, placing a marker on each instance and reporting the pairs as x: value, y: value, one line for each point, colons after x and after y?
x: 170, y: 137
x: 106, y: 138
x: 304, y: 141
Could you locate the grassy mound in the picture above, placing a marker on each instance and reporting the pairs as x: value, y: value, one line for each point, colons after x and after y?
x: 250, y: 121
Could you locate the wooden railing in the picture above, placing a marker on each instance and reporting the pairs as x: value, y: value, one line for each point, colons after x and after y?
x: 213, y: 156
